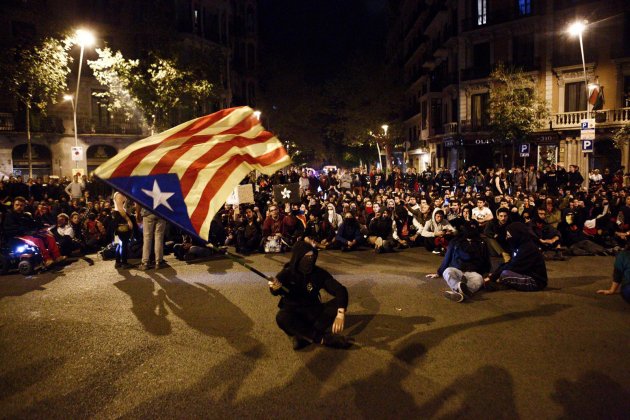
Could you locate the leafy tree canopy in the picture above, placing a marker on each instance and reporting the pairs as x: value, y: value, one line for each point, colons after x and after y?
x: 515, y: 108
x: 154, y: 89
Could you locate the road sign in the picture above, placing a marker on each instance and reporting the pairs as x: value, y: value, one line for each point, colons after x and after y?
x: 524, y: 149
x: 587, y: 146
x: 77, y: 153
x: 587, y: 129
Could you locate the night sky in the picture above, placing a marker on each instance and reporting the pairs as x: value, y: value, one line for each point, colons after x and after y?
x: 320, y: 35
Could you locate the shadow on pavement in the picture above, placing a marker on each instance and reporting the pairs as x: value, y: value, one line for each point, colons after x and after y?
x: 19, y: 379
x: 19, y: 285
x: 147, y: 305
x: 93, y: 393
x: 418, y: 344
x: 209, y: 312
x: 593, y: 395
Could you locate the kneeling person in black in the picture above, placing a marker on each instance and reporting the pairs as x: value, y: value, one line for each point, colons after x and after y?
x: 303, y: 316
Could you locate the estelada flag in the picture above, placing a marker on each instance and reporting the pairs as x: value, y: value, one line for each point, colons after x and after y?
x: 186, y: 173
x: 286, y: 193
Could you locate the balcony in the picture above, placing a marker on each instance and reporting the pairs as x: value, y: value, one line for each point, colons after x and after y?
x: 450, y: 129
x: 39, y: 124
x: 603, y: 118
x: 112, y: 125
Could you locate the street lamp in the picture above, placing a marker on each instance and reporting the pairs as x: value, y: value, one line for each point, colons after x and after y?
x: 576, y: 29
x: 83, y: 38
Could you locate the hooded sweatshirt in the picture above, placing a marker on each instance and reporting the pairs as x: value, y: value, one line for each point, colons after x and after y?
x: 431, y: 227
x: 467, y: 252
x: 303, y: 289
x: 527, y: 258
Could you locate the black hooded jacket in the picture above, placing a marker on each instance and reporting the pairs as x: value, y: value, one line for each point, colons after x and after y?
x: 527, y: 258
x: 303, y: 289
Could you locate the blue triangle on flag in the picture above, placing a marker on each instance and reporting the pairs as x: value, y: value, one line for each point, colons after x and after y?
x: 161, y: 194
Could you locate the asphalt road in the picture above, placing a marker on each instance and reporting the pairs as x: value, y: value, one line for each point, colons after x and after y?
x: 200, y: 341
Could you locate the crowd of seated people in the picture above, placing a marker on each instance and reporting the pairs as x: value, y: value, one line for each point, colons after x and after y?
x: 351, y: 209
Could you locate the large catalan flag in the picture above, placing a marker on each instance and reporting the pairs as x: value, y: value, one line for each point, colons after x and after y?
x: 185, y: 174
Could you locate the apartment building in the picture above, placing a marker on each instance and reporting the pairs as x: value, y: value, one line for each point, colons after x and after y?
x: 448, y: 120
x: 227, y: 28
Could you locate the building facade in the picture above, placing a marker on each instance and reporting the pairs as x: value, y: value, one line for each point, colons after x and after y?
x: 451, y: 47
x: 225, y: 30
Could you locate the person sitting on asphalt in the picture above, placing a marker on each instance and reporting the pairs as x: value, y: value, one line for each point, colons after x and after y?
x: 495, y: 234
x: 18, y: 223
x: 249, y: 233
x: 482, y: 214
x: 466, y: 262
x: 437, y: 232
x: 549, y: 239
x: 65, y: 235
x: 349, y: 236
x: 381, y: 231
x: 526, y: 271
x: 621, y: 276
x: 302, y: 315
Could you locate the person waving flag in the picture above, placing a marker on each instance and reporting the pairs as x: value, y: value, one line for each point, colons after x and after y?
x: 186, y: 173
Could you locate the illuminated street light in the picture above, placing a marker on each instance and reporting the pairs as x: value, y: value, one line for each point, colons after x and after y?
x: 577, y: 28
x: 84, y: 38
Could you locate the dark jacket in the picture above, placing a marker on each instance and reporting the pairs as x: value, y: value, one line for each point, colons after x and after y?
x: 349, y: 231
x: 466, y: 254
x: 17, y: 224
x: 303, y: 289
x: 527, y: 258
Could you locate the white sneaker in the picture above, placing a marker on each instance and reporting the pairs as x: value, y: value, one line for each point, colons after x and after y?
x: 454, y: 296
x: 436, y: 251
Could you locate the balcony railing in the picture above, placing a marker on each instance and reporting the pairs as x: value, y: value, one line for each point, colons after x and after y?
x: 113, y: 125
x: 606, y: 117
x: 39, y: 124
x: 450, y: 128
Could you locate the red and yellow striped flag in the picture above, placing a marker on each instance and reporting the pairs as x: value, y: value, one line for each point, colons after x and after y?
x: 185, y: 174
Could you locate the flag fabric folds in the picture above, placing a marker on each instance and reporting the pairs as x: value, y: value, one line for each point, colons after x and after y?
x: 185, y: 174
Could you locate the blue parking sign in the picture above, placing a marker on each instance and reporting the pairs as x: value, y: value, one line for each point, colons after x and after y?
x: 524, y: 149
x: 587, y: 146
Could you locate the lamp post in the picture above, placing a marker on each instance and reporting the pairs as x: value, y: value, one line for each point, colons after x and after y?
x: 83, y: 38
x: 577, y: 28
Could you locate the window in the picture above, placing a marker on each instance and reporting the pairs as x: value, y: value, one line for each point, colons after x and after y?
x: 482, y: 12
x: 423, y: 114
x: 626, y: 91
x: 574, y: 97
x: 524, y: 7
x: 100, y: 114
x: 479, y: 111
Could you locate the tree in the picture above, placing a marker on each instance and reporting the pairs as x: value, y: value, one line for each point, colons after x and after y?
x: 359, y: 102
x: 621, y: 137
x: 37, y: 77
x: 515, y: 107
x: 154, y: 90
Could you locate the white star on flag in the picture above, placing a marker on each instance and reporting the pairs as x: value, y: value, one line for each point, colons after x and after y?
x: 285, y: 193
x: 158, y: 196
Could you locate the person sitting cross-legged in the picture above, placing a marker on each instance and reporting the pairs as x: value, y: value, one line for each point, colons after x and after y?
x: 526, y: 271
x: 466, y: 261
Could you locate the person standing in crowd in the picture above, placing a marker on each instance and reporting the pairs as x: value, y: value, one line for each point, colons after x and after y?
x: 465, y: 264
x: 123, y: 230
x: 302, y: 315
x: 153, y: 228
x: 75, y: 188
x: 531, y: 179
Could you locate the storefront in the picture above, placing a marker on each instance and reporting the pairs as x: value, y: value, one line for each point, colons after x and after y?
x: 41, y: 160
